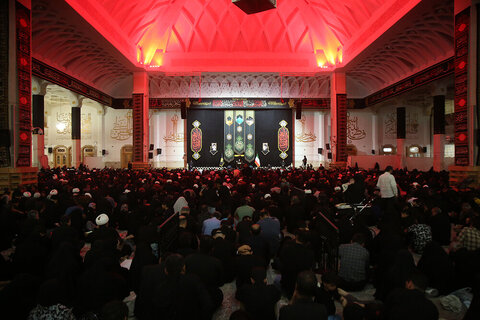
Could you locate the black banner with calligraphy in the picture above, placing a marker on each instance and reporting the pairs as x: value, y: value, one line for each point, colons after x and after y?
x: 462, y: 25
x: 213, y: 123
x: 430, y: 74
x: 138, y: 128
x: 341, y: 143
x: 24, y: 77
x: 4, y: 62
x: 46, y: 72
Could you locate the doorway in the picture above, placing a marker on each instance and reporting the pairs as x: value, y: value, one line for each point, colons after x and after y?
x: 126, y: 155
x: 88, y: 151
x: 61, y: 156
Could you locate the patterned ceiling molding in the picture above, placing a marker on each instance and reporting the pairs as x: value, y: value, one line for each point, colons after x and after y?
x: 435, y: 72
x: 53, y: 75
x: 240, y: 85
x: 168, y: 103
x: 402, y: 51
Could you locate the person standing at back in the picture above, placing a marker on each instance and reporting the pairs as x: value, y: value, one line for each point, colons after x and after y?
x: 388, y: 191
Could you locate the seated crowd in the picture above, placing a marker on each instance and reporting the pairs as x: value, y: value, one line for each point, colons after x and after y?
x: 162, y: 244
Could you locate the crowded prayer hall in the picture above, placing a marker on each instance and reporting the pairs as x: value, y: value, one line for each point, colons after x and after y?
x: 136, y: 184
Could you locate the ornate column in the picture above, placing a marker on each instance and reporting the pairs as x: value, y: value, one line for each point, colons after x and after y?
x: 321, y: 136
x: 374, y: 132
x: 76, y: 134
x: 338, y: 118
x: 401, y: 135
x: 39, y: 88
x: 140, y: 120
x: 439, y: 129
x: 16, y: 94
x: 466, y: 166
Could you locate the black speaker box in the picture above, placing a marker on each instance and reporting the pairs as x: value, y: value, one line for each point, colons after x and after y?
x: 4, y: 138
x: 373, y: 151
x: 424, y: 149
x: 50, y: 150
x: 328, y: 146
x: 298, y: 112
x: 183, y: 109
x: 104, y: 152
x: 329, y: 156
x: 320, y: 150
x: 150, y: 155
x: 159, y: 151
x: 151, y: 147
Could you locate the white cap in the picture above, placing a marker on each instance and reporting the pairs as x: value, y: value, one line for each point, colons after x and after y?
x: 169, y: 181
x: 27, y: 194
x: 195, y: 185
x: 126, y: 191
x: 75, y: 190
x: 37, y: 195
x: 53, y: 192
x: 268, y: 195
x: 337, y: 188
x: 415, y: 184
x: 88, y: 195
x: 157, y: 182
x: 411, y: 200
x: 101, y: 219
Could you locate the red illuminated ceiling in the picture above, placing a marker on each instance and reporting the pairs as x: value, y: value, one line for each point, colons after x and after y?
x: 216, y: 36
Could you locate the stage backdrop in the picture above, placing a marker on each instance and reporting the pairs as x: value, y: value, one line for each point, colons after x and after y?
x: 244, y: 133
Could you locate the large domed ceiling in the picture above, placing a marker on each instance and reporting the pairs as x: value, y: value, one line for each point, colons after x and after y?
x: 216, y: 36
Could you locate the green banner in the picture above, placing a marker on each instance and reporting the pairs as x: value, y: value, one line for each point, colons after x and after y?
x: 228, y: 135
x: 250, y: 135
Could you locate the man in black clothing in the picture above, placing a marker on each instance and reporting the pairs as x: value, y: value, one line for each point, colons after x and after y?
x: 295, y: 257
x: 327, y: 293
x: 258, y: 243
x: 259, y: 298
x: 208, y: 269
x: 224, y: 251
x: 104, y: 232
x: 244, y: 263
x: 302, y: 305
x: 410, y: 302
x: 180, y: 295
x: 440, y: 224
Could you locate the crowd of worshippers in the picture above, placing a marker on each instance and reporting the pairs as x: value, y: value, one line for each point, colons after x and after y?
x: 86, y: 244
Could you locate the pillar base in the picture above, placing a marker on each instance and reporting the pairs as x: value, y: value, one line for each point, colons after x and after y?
x: 14, y: 177
x: 464, y: 177
x: 140, y: 165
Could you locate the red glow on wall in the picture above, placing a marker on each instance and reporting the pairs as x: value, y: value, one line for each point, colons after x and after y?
x: 462, y: 102
x: 23, y: 100
x: 462, y: 27
x: 23, y: 136
x: 462, y: 65
x: 462, y: 137
x: 23, y: 22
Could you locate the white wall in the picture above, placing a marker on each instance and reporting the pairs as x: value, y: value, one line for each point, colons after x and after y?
x: 418, y: 127
x: 167, y: 133
x: 310, y: 133
x: 118, y: 133
x: 58, y: 126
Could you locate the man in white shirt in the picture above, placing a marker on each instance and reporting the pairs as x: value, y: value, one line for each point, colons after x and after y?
x: 388, y: 191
